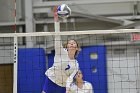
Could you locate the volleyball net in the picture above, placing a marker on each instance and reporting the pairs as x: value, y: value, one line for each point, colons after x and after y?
x: 109, y: 59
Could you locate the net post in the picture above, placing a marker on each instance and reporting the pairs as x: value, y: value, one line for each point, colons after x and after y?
x: 15, y: 65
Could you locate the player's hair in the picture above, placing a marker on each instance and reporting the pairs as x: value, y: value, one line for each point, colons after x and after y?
x: 74, y: 78
x: 78, y: 46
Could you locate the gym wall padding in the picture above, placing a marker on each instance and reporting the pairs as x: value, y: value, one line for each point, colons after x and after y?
x: 92, y: 62
x: 31, y: 70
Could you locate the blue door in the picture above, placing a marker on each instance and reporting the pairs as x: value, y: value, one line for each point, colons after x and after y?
x: 92, y: 62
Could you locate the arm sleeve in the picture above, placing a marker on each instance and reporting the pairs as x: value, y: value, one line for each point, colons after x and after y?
x: 58, y: 46
x: 59, y: 50
x: 70, y: 78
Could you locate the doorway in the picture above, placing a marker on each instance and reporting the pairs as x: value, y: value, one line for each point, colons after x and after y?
x: 6, y: 78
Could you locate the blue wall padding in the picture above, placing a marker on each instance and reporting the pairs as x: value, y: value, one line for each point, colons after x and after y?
x: 31, y: 70
x: 51, y: 59
x: 86, y: 63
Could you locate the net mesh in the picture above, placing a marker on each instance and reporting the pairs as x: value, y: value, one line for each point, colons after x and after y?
x: 109, y: 60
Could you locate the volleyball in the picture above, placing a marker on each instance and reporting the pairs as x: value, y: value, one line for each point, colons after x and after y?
x: 63, y: 11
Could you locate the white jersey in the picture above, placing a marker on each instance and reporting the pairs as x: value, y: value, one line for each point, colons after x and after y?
x: 63, y: 69
x: 87, y: 88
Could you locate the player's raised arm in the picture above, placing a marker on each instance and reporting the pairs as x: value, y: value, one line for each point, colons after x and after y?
x: 58, y: 42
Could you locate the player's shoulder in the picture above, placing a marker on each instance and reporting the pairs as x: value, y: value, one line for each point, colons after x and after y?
x: 65, y: 49
x: 87, y: 83
x: 73, y: 84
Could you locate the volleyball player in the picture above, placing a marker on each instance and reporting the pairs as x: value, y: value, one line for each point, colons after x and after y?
x: 65, y: 66
x: 79, y: 85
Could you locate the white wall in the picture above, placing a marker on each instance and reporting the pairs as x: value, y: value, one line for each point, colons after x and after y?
x: 6, y: 55
x: 7, y: 10
x: 123, y: 70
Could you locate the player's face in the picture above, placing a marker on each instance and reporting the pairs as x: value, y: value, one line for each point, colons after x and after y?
x: 72, y: 45
x: 79, y: 75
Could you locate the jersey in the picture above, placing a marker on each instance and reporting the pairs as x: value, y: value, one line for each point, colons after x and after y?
x: 87, y: 88
x: 63, y: 69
